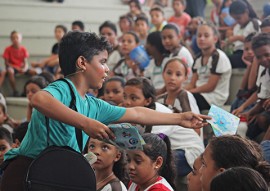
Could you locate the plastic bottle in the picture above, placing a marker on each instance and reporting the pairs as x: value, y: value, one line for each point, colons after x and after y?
x: 242, y: 127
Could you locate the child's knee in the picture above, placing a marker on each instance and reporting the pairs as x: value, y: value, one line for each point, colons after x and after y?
x: 3, y: 72
x: 10, y: 71
x: 262, y: 121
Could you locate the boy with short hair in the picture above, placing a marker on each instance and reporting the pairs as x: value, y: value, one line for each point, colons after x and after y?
x: 50, y: 63
x: 258, y: 116
x: 180, y: 18
x: 15, y: 57
x: 142, y: 27
x: 83, y: 58
x: 157, y: 19
x: 125, y: 25
x: 109, y: 30
x: 5, y: 142
x: 77, y: 25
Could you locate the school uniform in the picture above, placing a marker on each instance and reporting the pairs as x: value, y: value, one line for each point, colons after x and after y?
x: 217, y: 64
x: 236, y: 57
x: 161, y: 184
x: 154, y: 72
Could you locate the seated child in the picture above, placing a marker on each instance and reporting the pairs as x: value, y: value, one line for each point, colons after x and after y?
x: 226, y: 19
x: 157, y: 51
x: 114, y: 90
x: 77, y: 25
x: 140, y: 92
x: 247, y: 87
x: 175, y: 73
x: 258, y: 117
x: 32, y: 86
x: 265, y: 28
x: 157, y: 19
x: 5, y: 142
x: 211, y: 70
x: 180, y: 17
x: 110, y: 167
x: 109, y: 30
x: 190, y: 36
x: 135, y: 10
x: 6, y: 121
x: 19, y: 133
x: 246, y: 23
x: 217, y: 158
x: 193, y: 178
x: 125, y: 25
x: 152, y: 167
x: 141, y: 28
x: 15, y: 57
x: 239, y: 178
x: 171, y: 40
x: 51, y: 63
x: 126, y: 67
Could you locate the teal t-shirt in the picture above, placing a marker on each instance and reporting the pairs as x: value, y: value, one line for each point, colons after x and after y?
x: 62, y: 134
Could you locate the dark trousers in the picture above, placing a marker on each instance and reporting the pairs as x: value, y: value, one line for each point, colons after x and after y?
x: 236, y: 59
x: 201, y: 102
x: 196, y: 8
x: 15, y: 173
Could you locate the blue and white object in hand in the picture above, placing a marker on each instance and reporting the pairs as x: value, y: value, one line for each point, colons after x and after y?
x: 222, y: 122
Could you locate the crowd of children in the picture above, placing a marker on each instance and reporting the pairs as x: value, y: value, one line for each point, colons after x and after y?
x: 188, y: 69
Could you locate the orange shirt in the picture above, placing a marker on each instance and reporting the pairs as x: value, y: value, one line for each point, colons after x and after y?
x: 15, y: 56
x: 181, y: 21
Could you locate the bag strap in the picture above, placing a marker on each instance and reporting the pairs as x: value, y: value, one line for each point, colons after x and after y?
x: 72, y: 105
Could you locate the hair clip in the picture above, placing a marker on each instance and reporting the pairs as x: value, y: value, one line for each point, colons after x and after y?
x: 162, y: 136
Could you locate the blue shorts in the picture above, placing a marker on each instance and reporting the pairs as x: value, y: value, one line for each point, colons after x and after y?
x: 265, y: 145
x: 182, y: 166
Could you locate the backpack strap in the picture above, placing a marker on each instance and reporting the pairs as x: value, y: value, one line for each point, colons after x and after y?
x: 255, y: 24
x: 72, y: 105
x: 184, y: 101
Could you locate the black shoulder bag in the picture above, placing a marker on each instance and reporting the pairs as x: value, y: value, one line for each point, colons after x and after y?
x: 61, y: 168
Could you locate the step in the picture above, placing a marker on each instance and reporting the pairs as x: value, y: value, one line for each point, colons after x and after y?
x: 60, y: 13
x: 65, y: 3
x: 21, y: 79
x: 17, y: 107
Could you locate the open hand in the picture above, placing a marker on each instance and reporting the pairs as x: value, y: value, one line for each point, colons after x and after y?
x: 98, y: 130
x: 237, y: 111
x: 266, y: 104
x: 193, y: 121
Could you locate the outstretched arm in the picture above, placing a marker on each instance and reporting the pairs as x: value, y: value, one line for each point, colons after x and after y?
x: 209, y: 86
x: 145, y: 116
x: 45, y: 103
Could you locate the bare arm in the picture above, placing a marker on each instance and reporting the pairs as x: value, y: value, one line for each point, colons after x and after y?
x: 248, y: 102
x: 45, y: 103
x: 53, y: 62
x: 25, y: 65
x: 29, y: 112
x: 209, y: 86
x: 45, y: 61
x: 193, y: 81
x: 7, y: 63
x: 258, y: 108
x: 236, y: 38
x: 253, y: 74
x: 145, y: 116
x: 244, y: 83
